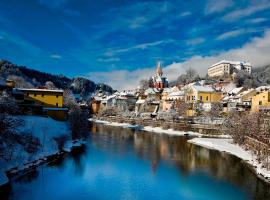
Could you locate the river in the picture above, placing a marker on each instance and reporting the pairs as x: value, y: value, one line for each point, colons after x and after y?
x: 118, y: 163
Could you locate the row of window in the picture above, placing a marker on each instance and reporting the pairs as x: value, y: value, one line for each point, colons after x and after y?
x: 193, y: 98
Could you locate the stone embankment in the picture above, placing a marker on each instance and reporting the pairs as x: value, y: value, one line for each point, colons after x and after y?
x: 177, y: 125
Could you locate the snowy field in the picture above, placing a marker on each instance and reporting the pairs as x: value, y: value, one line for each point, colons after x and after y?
x: 226, y: 145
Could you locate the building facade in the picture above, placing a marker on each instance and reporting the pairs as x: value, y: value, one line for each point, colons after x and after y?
x: 44, y: 97
x: 228, y: 67
x: 260, y: 101
x: 201, y: 98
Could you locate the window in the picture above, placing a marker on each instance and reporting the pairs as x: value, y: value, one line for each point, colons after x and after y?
x: 56, y: 96
x: 260, y: 103
x: 56, y: 104
x: 42, y: 95
x: 206, y: 98
x: 27, y: 94
x: 35, y: 95
x: 201, y: 98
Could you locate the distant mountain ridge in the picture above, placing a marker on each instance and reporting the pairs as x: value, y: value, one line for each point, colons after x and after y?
x: 31, y: 77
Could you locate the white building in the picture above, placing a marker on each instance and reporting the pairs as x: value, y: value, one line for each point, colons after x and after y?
x: 228, y: 67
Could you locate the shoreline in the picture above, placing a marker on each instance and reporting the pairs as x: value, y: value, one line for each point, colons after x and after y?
x: 20, y: 170
x: 214, y: 142
x: 157, y: 129
x: 227, y: 146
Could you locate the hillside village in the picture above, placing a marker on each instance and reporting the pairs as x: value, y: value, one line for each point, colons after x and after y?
x: 213, y: 106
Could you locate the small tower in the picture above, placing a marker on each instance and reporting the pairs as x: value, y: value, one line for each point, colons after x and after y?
x: 159, y: 82
x: 159, y: 70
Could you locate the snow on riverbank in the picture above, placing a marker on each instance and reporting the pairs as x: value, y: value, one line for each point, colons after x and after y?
x: 227, y: 146
x: 149, y: 128
x: 43, y: 128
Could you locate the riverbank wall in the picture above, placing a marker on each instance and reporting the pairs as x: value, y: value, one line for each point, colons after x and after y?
x: 177, y: 125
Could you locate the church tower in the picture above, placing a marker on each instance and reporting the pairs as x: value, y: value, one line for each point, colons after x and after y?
x: 159, y: 70
x: 159, y: 81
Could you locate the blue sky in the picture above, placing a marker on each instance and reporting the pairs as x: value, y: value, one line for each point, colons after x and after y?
x: 100, y: 39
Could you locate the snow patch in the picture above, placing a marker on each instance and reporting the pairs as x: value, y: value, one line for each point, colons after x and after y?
x: 227, y: 145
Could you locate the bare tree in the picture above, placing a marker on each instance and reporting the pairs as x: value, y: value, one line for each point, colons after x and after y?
x: 215, y: 111
x: 181, y: 107
x: 233, y: 125
x: 69, y: 99
x: 78, y: 121
x: 9, y: 133
x: 144, y: 84
x: 50, y: 85
x: 20, y: 82
x: 109, y: 111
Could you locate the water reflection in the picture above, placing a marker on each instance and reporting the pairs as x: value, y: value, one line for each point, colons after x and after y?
x: 187, y: 157
x: 122, y: 163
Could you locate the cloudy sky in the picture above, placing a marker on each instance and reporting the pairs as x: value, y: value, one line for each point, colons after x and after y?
x: 119, y: 41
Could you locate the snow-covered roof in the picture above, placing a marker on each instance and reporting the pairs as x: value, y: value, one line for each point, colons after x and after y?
x: 140, y: 101
x: 244, y: 93
x: 151, y: 91
x: 127, y: 93
x: 235, y: 91
x: 232, y: 63
x: 167, y: 90
x: 178, y: 93
x: 107, y: 98
x: 39, y: 90
x: 267, y: 87
x: 200, y: 88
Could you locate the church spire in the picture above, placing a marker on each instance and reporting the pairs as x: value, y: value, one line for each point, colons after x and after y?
x: 159, y: 70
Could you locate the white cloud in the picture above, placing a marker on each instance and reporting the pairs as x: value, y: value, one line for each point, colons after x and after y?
x: 256, y: 51
x: 235, y: 33
x: 184, y: 14
x: 257, y: 20
x: 142, y: 46
x: 195, y: 41
x: 56, y: 56
x: 108, y: 59
x: 214, y: 6
x: 237, y: 14
x: 231, y: 34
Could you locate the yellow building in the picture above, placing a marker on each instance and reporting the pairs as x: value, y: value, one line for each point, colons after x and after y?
x: 201, y: 98
x: 44, y: 97
x: 202, y: 94
x: 260, y: 100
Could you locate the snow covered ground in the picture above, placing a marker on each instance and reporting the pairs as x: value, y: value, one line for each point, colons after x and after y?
x: 227, y: 146
x: 45, y: 129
